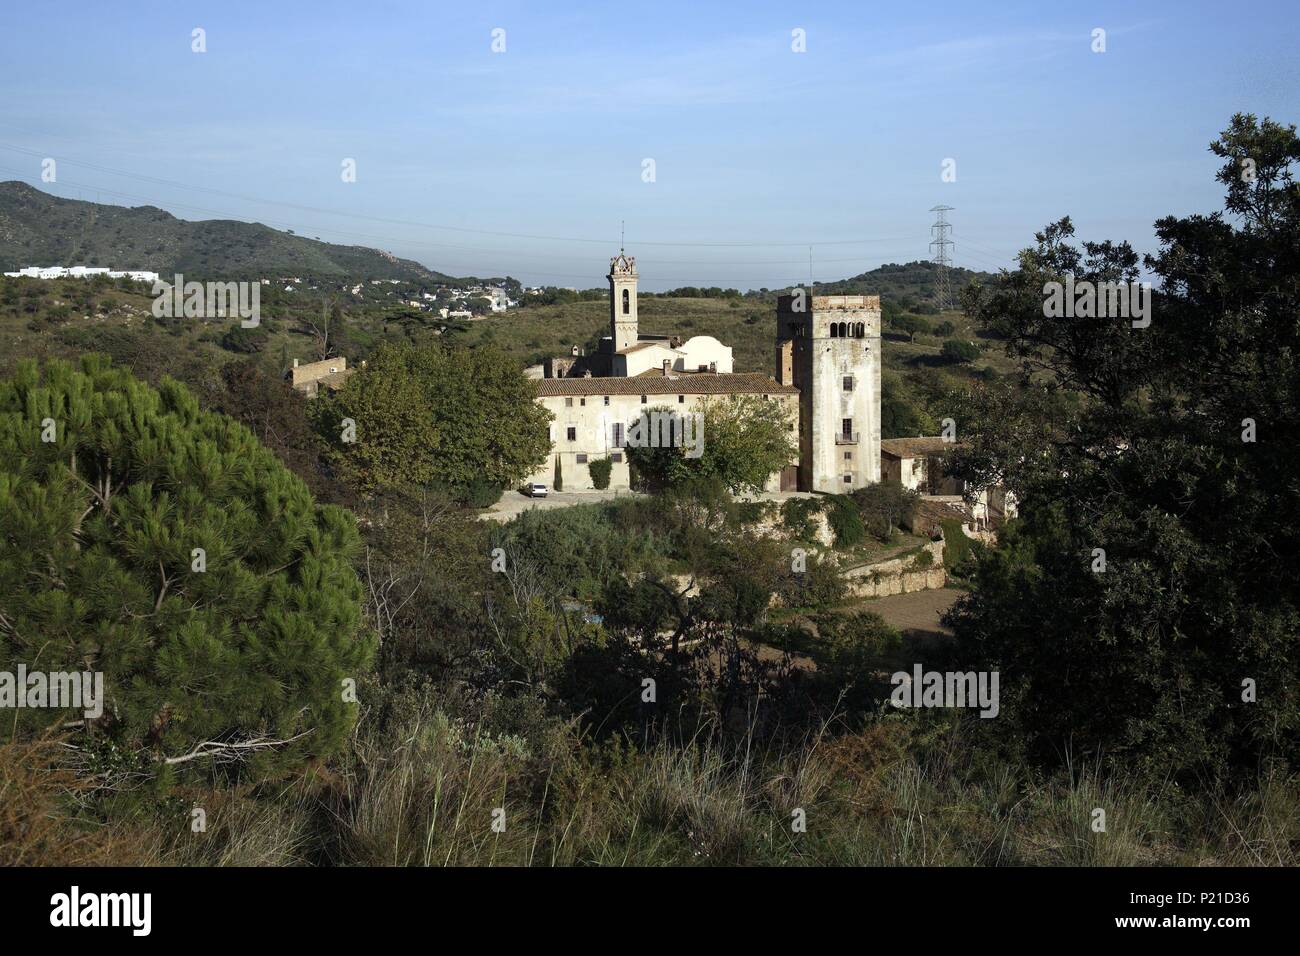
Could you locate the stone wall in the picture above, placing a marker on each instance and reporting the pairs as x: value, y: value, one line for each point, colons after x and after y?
x: 898, y: 575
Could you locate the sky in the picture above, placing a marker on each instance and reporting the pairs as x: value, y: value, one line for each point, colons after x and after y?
x: 528, y: 159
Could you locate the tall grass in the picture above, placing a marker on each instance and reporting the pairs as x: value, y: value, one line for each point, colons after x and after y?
x: 429, y: 793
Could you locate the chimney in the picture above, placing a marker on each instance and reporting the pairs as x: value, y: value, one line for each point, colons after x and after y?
x: 587, y: 374
x: 574, y: 350
x: 713, y: 367
x: 668, y: 364
x: 295, y: 363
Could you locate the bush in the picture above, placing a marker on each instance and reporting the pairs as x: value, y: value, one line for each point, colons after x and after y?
x: 167, y: 549
x: 600, y: 469
x: 955, y: 350
x: 846, y: 522
x: 956, y: 546
x: 481, y: 494
x: 796, y: 517
x: 240, y: 339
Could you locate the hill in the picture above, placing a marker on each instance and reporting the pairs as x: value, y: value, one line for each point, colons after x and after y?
x: 39, y: 229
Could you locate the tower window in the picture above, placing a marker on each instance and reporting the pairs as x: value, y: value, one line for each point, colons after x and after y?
x: 835, y: 330
x: 846, y: 427
x: 848, y: 383
x: 848, y: 479
x: 627, y: 302
x: 571, y: 433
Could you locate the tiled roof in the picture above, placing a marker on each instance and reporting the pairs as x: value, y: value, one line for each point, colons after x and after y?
x: 915, y: 447
x: 739, y: 383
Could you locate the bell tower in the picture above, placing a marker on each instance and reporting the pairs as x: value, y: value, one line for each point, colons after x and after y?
x: 622, y: 301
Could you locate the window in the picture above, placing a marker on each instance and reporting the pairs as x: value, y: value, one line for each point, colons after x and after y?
x: 846, y: 427
x: 568, y: 403
x: 617, y: 456
x: 848, y: 479
x: 848, y: 383
x: 618, y: 435
x: 681, y: 399
x: 571, y: 433
x: 606, y: 399
x: 627, y: 302
x: 643, y: 399
x: 582, y: 459
x: 582, y: 402
x: 848, y: 456
x: 835, y: 331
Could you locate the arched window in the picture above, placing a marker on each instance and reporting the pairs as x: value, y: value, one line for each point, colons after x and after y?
x: 835, y: 330
x: 862, y: 330
x: 627, y: 302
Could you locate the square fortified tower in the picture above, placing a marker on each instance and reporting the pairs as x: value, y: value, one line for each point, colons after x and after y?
x: 828, y: 346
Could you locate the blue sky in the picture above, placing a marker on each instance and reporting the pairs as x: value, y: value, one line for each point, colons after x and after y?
x: 524, y: 162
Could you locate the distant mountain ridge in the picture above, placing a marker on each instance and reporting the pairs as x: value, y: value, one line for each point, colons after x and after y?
x: 38, y: 229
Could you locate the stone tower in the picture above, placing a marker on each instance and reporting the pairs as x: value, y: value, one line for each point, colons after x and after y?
x: 828, y: 346
x: 622, y: 301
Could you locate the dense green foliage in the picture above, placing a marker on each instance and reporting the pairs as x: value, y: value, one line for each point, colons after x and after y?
x: 1176, y: 464
x: 249, y: 640
x: 846, y: 521
x: 600, y: 469
x: 431, y: 415
x: 955, y: 350
x: 739, y: 440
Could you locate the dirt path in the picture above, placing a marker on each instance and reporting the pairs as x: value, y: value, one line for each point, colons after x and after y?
x: 916, y: 614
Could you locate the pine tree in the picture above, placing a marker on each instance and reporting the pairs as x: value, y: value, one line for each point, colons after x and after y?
x: 165, y: 547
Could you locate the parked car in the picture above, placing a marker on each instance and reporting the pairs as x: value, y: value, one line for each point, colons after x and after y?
x: 535, y: 489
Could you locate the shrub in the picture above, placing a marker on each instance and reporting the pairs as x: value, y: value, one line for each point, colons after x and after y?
x: 956, y: 546
x: 600, y: 469
x: 846, y: 522
x: 796, y: 517
x: 955, y: 350
x: 481, y: 493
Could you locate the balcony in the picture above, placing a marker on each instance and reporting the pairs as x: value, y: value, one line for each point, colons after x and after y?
x: 846, y: 438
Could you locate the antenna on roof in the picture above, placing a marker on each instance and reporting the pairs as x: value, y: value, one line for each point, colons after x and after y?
x: 621, y: 230
x: 810, y: 278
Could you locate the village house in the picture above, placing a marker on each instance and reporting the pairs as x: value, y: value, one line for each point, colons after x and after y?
x: 918, y: 465
x: 310, y: 377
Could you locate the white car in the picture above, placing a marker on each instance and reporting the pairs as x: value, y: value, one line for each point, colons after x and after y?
x: 535, y: 489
